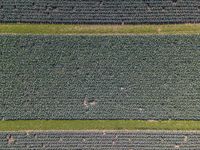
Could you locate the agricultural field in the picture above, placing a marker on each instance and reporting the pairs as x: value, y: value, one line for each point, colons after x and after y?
x: 100, y: 12
x: 116, y: 140
x: 85, y: 74
x: 100, y: 77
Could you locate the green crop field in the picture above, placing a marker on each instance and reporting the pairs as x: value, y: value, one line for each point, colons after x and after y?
x: 120, y: 77
x: 99, y: 124
x: 121, y: 74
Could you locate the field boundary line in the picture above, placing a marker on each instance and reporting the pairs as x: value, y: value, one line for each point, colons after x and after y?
x: 70, y: 29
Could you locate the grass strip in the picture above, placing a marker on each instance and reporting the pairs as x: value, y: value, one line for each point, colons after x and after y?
x: 18, y: 125
x: 99, y: 29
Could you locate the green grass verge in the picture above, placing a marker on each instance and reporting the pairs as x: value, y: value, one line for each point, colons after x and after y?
x: 98, y: 125
x: 98, y: 29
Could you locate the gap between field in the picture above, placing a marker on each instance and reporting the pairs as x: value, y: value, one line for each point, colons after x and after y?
x: 62, y: 29
x: 18, y: 125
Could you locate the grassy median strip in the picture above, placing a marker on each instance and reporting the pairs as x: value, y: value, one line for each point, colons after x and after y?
x: 99, y: 29
x: 98, y: 125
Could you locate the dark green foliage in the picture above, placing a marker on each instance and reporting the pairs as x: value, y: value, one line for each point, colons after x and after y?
x: 73, y: 140
x: 99, y: 77
x: 100, y: 11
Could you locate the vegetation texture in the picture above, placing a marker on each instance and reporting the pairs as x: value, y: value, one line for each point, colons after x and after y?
x: 73, y: 140
x: 100, y: 12
x: 99, y: 77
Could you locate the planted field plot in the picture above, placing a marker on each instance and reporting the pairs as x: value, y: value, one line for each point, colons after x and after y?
x: 99, y: 77
x: 100, y: 11
x: 140, y: 140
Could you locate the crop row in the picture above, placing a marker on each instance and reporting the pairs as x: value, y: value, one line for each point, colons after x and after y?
x: 140, y: 140
x: 99, y: 77
x: 100, y: 11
